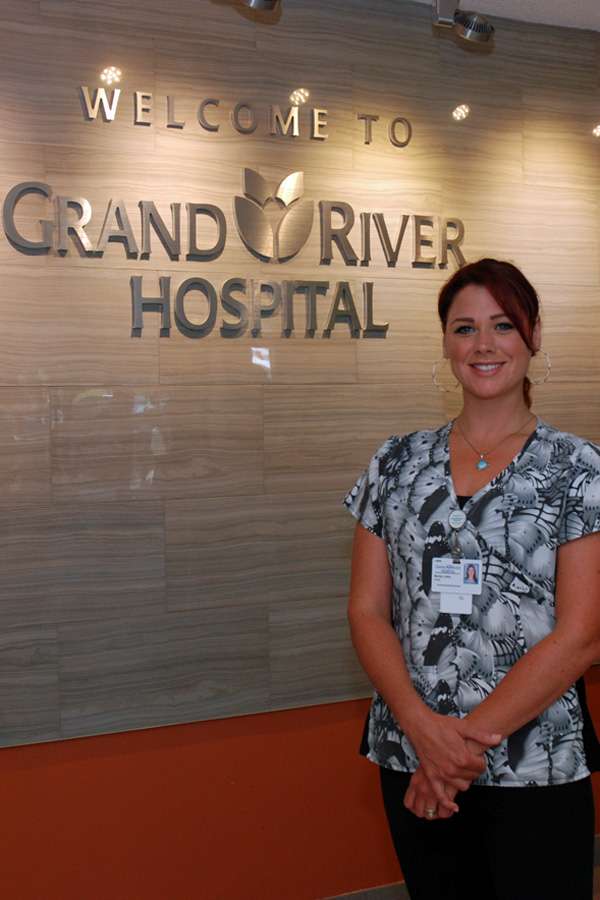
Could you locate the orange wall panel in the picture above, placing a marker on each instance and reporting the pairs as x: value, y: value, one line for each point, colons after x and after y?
x: 278, y: 805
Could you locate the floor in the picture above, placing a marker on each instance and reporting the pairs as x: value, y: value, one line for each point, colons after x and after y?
x: 398, y: 891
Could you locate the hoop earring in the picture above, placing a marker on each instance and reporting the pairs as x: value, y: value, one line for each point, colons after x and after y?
x: 546, y: 373
x: 434, y: 378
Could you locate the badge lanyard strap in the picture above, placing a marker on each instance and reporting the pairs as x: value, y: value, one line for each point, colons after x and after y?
x: 456, y: 521
x: 454, y: 544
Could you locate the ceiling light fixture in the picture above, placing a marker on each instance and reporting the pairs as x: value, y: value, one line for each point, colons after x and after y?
x: 261, y: 4
x: 461, y: 112
x: 111, y: 75
x: 469, y: 26
x: 299, y: 96
x: 596, y: 131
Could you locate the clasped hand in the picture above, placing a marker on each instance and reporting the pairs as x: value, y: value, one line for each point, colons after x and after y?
x: 451, y: 755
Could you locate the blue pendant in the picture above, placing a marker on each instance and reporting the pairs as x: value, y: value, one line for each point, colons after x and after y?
x: 482, y: 464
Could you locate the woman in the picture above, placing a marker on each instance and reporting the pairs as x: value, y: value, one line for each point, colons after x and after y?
x: 470, y: 576
x: 475, y: 692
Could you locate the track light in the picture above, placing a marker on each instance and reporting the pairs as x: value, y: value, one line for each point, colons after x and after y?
x: 469, y: 26
x: 472, y: 27
x: 261, y: 4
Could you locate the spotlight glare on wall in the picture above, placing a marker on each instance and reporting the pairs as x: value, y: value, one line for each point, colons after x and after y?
x: 299, y: 96
x: 461, y: 112
x: 111, y: 75
x: 596, y: 131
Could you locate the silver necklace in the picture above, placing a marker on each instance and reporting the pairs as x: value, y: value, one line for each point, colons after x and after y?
x: 482, y: 462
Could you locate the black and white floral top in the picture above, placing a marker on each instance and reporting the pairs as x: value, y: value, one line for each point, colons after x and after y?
x: 548, y: 494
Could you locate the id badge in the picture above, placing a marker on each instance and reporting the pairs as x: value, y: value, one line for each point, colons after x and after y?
x: 456, y: 580
x: 456, y: 604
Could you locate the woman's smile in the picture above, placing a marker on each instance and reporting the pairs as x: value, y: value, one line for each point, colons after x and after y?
x: 487, y: 369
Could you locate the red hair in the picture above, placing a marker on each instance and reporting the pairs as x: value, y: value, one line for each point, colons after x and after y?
x: 513, y: 293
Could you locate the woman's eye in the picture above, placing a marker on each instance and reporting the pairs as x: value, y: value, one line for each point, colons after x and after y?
x: 469, y: 329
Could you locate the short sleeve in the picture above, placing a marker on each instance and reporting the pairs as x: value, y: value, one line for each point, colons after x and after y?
x: 581, y: 510
x: 365, y: 500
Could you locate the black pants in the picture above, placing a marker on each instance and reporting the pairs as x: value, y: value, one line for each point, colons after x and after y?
x: 529, y: 843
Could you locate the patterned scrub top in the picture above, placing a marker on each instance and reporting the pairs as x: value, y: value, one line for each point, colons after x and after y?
x: 548, y: 494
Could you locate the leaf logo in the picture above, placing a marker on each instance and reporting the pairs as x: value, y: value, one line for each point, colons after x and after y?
x: 287, y: 236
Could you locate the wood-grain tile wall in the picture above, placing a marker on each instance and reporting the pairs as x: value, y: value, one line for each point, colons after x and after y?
x: 172, y: 539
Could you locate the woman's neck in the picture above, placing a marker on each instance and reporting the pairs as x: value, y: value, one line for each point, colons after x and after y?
x: 485, y: 420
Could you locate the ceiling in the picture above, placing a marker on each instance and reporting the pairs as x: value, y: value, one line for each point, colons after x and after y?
x: 568, y: 13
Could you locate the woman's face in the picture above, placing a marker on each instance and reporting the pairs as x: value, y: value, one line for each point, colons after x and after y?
x: 487, y: 354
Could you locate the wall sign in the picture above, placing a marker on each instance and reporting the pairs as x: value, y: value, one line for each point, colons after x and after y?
x: 276, y: 238
x: 243, y: 117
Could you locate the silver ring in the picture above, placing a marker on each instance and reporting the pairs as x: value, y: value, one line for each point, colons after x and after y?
x: 430, y: 812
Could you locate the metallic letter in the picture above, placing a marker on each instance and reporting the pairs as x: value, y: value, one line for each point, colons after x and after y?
x: 391, y: 253
x: 365, y: 236
x: 371, y: 330
x: 84, y: 211
x: 190, y: 329
x: 419, y: 241
x: 202, y: 118
x: 453, y: 244
x: 151, y: 216
x: 8, y: 218
x: 318, y: 122
x: 278, y: 126
x: 368, y: 120
x: 329, y: 234
x: 392, y: 132
x: 259, y: 311
x: 160, y: 304
x: 117, y: 214
x: 214, y: 213
x: 235, y: 118
x: 234, y: 307
x: 143, y: 107
x: 91, y: 107
x: 287, y: 326
x: 311, y: 289
x: 171, y: 120
x: 343, y: 298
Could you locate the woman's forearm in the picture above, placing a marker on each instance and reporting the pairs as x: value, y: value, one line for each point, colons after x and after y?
x: 449, y: 749
x: 381, y: 656
x: 535, y: 682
